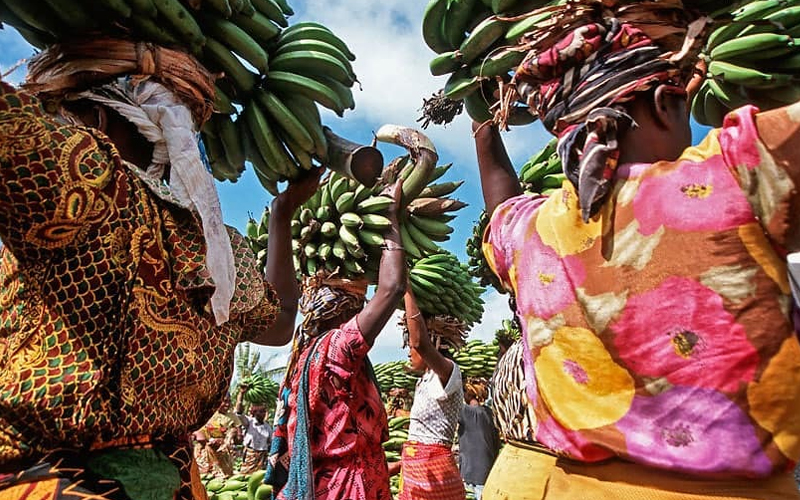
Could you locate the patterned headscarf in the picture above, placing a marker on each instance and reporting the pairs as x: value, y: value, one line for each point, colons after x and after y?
x: 576, y: 83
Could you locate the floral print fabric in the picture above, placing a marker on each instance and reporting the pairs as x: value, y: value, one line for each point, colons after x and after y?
x: 660, y: 330
x: 347, y: 420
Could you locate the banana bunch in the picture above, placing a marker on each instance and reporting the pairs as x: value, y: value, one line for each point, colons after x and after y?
x: 509, y: 332
x: 446, y: 293
x: 261, y: 390
x: 478, y: 266
x: 476, y: 43
x: 755, y: 59
x: 257, y: 236
x: 542, y: 173
x: 395, y: 375
x: 340, y: 228
x: 477, y: 359
x: 280, y: 127
x: 272, y: 75
x: 398, y: 434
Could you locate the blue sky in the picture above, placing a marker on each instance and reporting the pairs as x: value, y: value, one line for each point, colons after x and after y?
x: 392, y: 65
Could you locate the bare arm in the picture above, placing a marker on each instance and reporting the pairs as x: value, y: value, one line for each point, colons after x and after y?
x: 279, y: 268
x: 392, y: 276
x: 499, y: 181
x: 419, y: 339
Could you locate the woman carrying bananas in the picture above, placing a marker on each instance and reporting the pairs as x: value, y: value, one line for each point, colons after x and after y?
x: 330, y: 420
x: 659, y: 354
x: 123, y: 294
x: 428, y: 469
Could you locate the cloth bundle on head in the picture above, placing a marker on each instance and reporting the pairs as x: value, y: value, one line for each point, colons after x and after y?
x: 79, y: 65
x: 325, y: 298
x: 575, y: 78
x: 445, y: 332
x: 167, y: 95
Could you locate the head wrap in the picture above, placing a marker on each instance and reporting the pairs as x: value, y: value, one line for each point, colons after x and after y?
x: 327, y: 298
x: 575, y: 79
x: 167, y: 110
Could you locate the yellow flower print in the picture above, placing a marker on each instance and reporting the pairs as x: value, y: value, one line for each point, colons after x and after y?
x: 582, y: 386
x: 561, y: 227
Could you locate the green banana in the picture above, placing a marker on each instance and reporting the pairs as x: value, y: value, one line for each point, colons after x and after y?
x: 285, y: 118
x: 445, y: 63
x: 258, y: 26
x: 238, y: 40
x: 460, y: 84
x: 272, y: 10
x: 750, y: 44
x: 314, y: 31
x: 182, y: 20
x: 456, y: 19
x: 242, y: 79
x: 432, y: 26
x: 290, y: 83
x: 482, y: 37
x: 313, y: 63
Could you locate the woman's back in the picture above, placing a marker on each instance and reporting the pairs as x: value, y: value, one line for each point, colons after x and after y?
x: 659, y: 330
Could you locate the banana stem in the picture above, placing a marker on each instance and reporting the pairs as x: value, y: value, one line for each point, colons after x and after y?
x: 422, y: 151
x: 356, y: 161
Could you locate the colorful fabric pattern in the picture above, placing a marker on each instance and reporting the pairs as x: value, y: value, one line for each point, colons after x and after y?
x: 430, y: 473
x: 660, y: 331
x: 579, y: 83
x: 346, y: 416
x: 105, y: 328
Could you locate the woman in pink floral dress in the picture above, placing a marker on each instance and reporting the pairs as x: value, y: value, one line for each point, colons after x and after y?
x: 659, y: 351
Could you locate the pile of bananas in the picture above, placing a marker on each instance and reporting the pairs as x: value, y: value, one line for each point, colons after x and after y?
x: 257, y: 236
x: 446, y: 295
x: 395, y: 375
x: 261, y: 390
x: 237, y: 487
x: 477, y: 359
x: 268, y: 116
x: 340, y: 228
x: 755, y: 59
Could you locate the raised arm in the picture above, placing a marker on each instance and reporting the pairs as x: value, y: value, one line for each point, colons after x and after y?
x: 419, y: 340
x: 499, y: 181
x: 280, y: 268
x: 392, y: 276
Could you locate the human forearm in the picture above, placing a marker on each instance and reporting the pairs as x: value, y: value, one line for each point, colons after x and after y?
x: 279, y: 271
x: 499, y: 180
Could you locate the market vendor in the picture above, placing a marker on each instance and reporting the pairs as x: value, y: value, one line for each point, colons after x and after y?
x: 123, y: 294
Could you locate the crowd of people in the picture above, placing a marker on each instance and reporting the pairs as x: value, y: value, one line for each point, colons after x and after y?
x: 658, y: 356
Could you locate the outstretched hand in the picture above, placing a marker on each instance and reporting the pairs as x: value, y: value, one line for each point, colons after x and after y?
x: 300, y: 189
x: 395, y: 191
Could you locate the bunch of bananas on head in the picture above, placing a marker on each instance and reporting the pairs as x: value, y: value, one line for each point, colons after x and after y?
x: 257, y: 236
x: 753, y: 58
x: 395, y: 375
x: 339, y: 230
x: 476, y: 43
x: 261, y: 390
x: 273, y: 75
